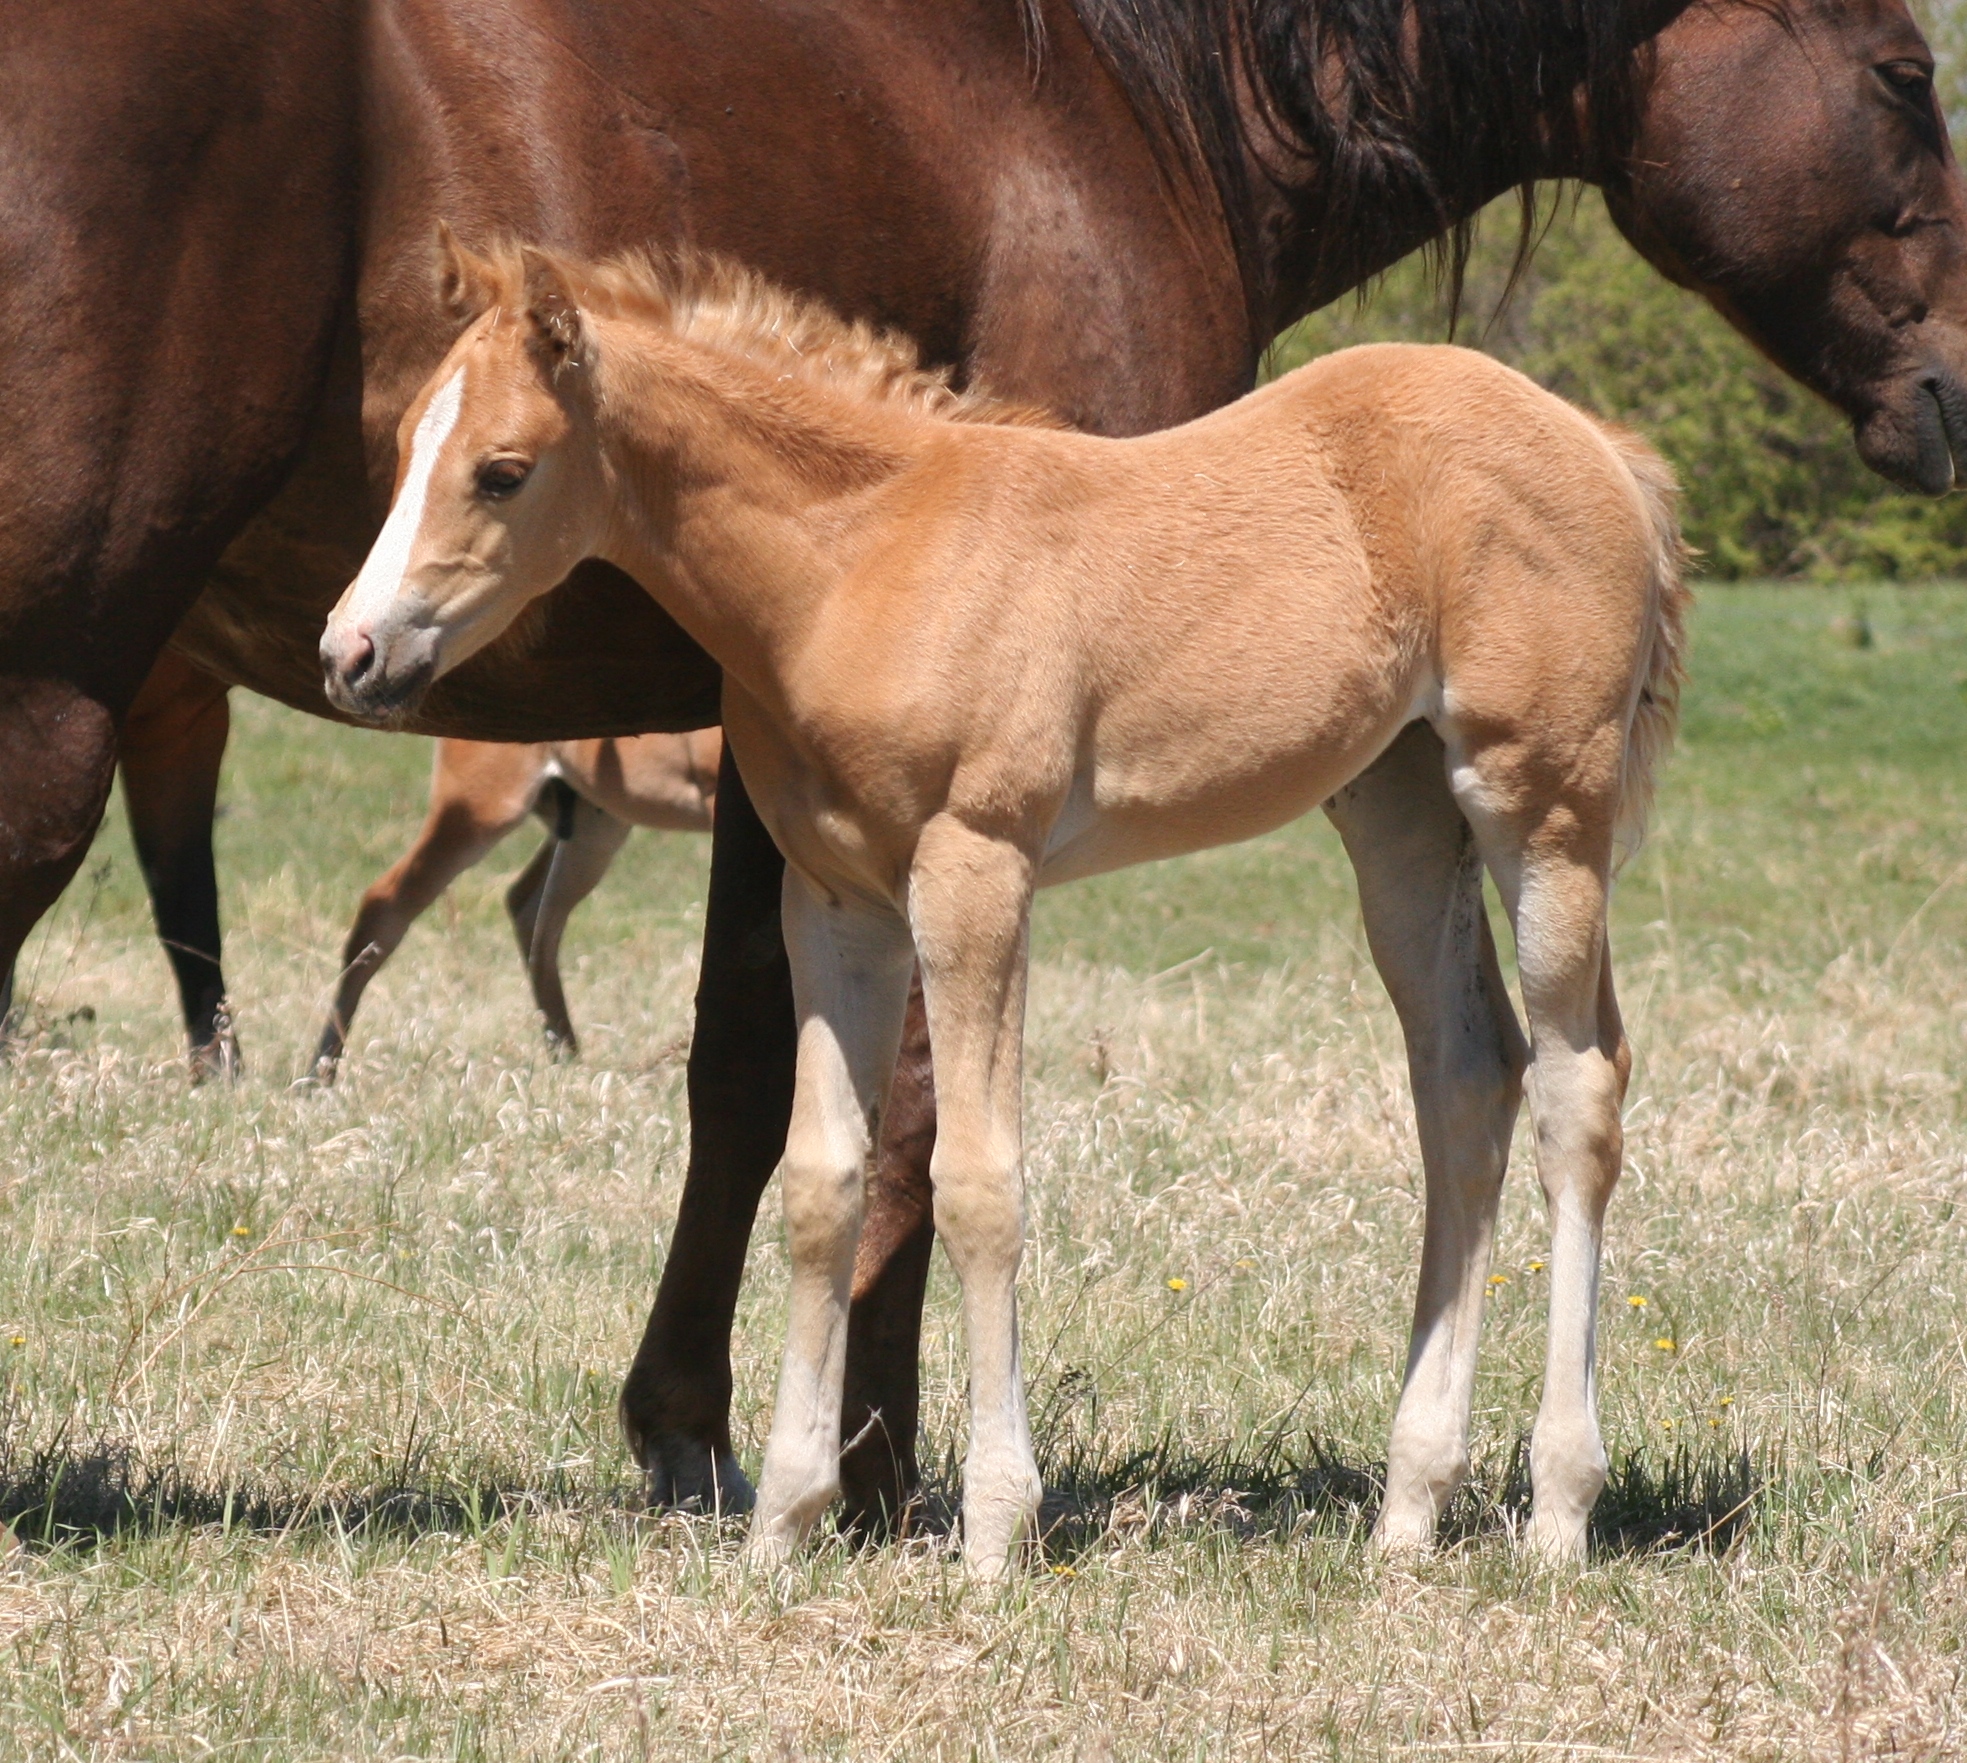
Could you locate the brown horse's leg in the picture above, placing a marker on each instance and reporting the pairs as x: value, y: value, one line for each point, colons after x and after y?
x: 676, y: 1403
x: 57, y: 760
x: 173, y: 746
x: 879, y: 1473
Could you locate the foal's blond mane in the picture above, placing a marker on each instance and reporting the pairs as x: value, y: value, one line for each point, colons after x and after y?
x: 708, y: 299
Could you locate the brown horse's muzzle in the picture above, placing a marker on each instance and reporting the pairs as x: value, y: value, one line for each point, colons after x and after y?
x: 1918, y: 435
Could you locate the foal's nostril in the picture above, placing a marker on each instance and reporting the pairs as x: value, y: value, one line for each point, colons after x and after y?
x: 361, y: 656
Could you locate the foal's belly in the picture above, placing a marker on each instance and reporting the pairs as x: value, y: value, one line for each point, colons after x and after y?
x: 1141, y: 814
x: 1216, y: 745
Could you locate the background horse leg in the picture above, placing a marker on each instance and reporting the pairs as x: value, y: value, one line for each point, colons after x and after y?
x: 479, y: 791
x: 1420, y: 891
x: 584, y: 841
x: 676, y: 1400
x: 171, y: 752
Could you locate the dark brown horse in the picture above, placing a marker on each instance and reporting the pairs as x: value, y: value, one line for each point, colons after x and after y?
x: 217, y: 298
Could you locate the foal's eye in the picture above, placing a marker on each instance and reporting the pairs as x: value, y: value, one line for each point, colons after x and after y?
x: 498, y: 478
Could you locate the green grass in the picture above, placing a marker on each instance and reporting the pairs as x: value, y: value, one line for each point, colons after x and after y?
x: 307, y: 1438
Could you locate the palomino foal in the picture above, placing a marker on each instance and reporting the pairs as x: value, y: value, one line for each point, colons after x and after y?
x: 967, y: 655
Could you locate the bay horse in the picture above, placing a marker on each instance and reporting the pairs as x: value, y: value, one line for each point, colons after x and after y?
x: 217, y: 304
x: 967, y: 655
x: 589, y: 795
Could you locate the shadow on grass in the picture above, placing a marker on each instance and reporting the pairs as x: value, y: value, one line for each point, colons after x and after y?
x: 60, y: 1495
x: 1652, y: 1503
x: 63, y: 1495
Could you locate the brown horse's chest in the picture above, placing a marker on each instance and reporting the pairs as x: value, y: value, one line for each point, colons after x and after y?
x: 1040, y: 248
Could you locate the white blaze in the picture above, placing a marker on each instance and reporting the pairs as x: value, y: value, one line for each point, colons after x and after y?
x: 382, y: 573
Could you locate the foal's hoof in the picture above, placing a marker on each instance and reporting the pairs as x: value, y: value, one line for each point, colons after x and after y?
x: 767, y: 1547
x: 683, y: 1475
x: 1404, y: 1534
x: 1554, y: 1542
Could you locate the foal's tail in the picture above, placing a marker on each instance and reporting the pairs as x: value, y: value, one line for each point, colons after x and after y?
x: 1656, y: 710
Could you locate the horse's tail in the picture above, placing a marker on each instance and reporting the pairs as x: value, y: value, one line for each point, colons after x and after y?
x: 1656, y: 709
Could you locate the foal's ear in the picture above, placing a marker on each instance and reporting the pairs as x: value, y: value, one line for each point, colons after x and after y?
x: 465, y: 285
x: 550, y: 305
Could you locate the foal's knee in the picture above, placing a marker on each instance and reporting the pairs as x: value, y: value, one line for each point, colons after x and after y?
x: 1580, y: 1128
x: 979, y: 1214
x: 822, y: 1204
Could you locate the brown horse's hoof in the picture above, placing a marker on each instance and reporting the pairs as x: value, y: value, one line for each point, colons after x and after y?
x: 684, y: 1475
x: 880, y: 1487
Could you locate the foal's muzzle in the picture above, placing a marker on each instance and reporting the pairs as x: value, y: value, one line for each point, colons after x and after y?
x: 372, y: 681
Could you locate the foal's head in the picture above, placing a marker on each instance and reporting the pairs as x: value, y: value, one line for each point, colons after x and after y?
x: 500, y: 489
x: 504, y: 485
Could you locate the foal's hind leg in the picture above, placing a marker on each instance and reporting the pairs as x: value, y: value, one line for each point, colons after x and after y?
x: 1420, y: 892
x: 1551, y: 856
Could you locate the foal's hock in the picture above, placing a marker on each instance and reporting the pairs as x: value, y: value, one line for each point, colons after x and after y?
x: 967, y: 654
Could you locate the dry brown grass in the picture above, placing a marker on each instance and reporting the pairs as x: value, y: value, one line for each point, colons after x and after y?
x: 308, y: 1441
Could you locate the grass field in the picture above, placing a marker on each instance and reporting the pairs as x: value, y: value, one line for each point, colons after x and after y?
x: 307, y: 1437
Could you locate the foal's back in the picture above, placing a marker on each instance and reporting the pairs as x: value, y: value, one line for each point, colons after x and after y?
x: 1255, y: 603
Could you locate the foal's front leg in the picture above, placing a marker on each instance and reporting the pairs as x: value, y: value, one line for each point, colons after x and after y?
x: 970, y: 905
x: 850, y: 977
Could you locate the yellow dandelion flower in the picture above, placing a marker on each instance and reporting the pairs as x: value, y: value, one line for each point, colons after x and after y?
x: 1636, y: 1301
x: 1498, y: 1279
x: 1715, y: 1424
x: 1726, y: 1402
x: 17, y: 1340
x: 1065, y: 1573
x: 1246, y: 1263
x: 1534, y: 1267
x: 1666, y: 1426
x: 1665, y: 1343
x: 242, y: 1230
x: 1178, y: 1284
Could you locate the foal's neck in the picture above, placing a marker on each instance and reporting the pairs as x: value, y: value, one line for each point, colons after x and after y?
x: 743, y: 494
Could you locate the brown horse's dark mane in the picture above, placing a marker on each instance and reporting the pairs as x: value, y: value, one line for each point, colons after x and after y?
x: 711, y: 300
x: 1381, y: 122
